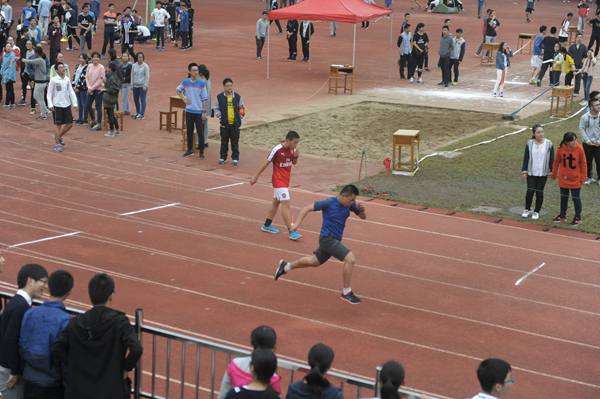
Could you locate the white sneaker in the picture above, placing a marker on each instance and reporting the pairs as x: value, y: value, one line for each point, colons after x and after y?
x: 535, y: 216
x: 592, y: 180
x: 420, y: 80
x: 412, y: 80
x: 583, y: 103
x: 494, y: 95
x: 526, y: 213
x: 587, y: 181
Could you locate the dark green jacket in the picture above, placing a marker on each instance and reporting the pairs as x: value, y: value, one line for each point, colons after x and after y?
x: 111, y: 93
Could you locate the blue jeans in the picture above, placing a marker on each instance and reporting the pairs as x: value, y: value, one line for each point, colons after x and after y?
x: 82, y: 97
x: 587, y: 83
x: 139, y: 95
x: 95, y: 97
x: 555, y: 77
x: 125, y: 97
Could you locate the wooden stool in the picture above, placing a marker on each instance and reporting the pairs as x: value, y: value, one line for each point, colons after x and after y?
x: 184, y: 139
x: 406, y: 138
x: 526, y: 36
x: 562, y: 92
x: 169, y: 119
x: 572, y: 33
x: 488, y: 59
x: 118, y: 115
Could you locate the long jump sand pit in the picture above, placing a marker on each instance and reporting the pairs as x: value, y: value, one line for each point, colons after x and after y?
x: 345, y: 132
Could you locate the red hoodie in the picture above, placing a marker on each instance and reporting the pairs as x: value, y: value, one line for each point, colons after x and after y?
x: 573, y: 167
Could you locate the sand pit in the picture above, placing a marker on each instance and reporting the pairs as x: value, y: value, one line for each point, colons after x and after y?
x: 345, y: 132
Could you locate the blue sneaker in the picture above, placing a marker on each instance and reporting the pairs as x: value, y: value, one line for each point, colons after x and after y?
x: 57, y: 148
x: 269, y: 229
x: 61, y: 142
x: 294, y: 235
x: 103, y: 56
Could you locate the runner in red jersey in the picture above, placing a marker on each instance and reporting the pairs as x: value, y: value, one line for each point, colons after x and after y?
x: 283, y: 156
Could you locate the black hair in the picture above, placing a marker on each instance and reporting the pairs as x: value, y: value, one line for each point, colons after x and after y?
x: 159, y: 2
x: 292, y: 135
x: 85, y: 5
x: 95, y: 54
x: 579, y: 34
x: 446, y: 27
x: 447, y: 20
x: 112, y: 53
x: 543, y: 28
x: 58, y: 63
x: 137, y: 55
x: 406, y: 26
x: 592, y: 100
x: 553, y: 30
x: 31, y: 270
x: 419, y: 26
x: 594, y: 94
x: 264, y: 363
x: 491, y: 372
x: 534, y: 128
x: 406, y: 14
x: 68, y: 4
x: 501, y: 49
x: 113, y: 66
x: 38, y: 50
x: 110, y: 4
x: 562, y: 50
x: 263, y: 337
x: 134, y: 10
x: 227, y: 80
x: 192, y: 64
x: 100, y: 288
x: 84, y: 55
x: 32, y: 18
x: 127, y: 16
x: 204, y: 71
x: 126, y: 8
x: 392, y: 376
x: 320, y: 358
x: 350, y: 189
x: 265, y: 13
x: 489, y: 10
x: 459, y: 30
x: 183, y: 5
x: 570, y: 14
x: 60, y: 283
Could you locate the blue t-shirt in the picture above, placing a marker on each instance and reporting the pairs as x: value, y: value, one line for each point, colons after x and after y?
x: 480, y: 3
x: 28, y: 13
x: 334, y: 216
x: 537, y: 46
x: 185, y: 22
x: 196, y: 92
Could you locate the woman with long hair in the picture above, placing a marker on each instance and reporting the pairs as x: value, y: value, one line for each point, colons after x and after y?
x: 391, y: 377
x: 9, y: 75
x: 587, y: 75
x: 263, y: 366
x: 571, y: 169
x: 140, y: 78
x: 537, y: 165
x: 27, y: 75
x: 95, y: 81
x: 204, y: 74
x: 419, y: 46
x: 60, y: 57
x: 109, y: 99
x: 316, y: 385
x: 502, y: 64
x: 81, y: 90
x: 126, y: 83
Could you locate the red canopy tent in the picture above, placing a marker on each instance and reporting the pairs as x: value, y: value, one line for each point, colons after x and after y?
x: 350, y: 11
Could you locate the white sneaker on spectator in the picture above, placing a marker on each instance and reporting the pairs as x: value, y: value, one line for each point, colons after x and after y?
x: 535, y: 216
x: 526, y: 213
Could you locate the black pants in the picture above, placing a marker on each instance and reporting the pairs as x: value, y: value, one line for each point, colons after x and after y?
x: 592, y: 153
x: 455, y: 64
x: 365, y: 24
x: 283, y: 3
x: 53, y: 52
x: 446, y: 74
x: 173, y: 26
x: 543, y: 70
x: 416, y: 65
x: 24, y: 83
x: 405, y: 60
x: 113, y: 122
x: 159, y: 31
x: 305, y: 48
x: 593, y: 40
x: 230, y: 133
x: 564, y: 201
x: 86, y: 39
x: 109, y: 37
x: 184, y: 39
x: 35, y: 392
x: 535, y: 185
x: 426, y: 58
x: 278, y: 25
x: 10, y: 93
x: 569, y: 78
x: 293, y: 45
x: 260, y: 42
x: 194, y: 121
x: 127, y: 48
x: 72, y: 34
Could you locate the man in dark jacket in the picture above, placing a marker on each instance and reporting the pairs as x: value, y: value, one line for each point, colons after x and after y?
x: 292, y: 38
x: 445, y: 52
x: 94, y: 346
x: 31, y: 280
x: 306, y: 31
x: 578, y: 51
x: 229, y: 109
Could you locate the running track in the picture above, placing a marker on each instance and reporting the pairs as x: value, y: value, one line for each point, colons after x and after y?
x: 438, y: 291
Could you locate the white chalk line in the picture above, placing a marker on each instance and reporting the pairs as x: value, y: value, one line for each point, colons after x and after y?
x: 149, y: 209
x: 229, y: 185
x: 281, y: 313
x: 530, y: 273
x: 44, y: 239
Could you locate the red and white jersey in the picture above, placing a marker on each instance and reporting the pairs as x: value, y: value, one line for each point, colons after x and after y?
x: 282, y: 158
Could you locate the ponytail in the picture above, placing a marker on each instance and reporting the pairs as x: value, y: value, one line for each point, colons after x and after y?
x: 320, y: 358
x: 269, y: 393
x: 391, y: 376
x: 567, y: 138
x: 264, y: 363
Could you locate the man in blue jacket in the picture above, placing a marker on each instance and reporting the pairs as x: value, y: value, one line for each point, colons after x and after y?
x: 193, y: 92
x: 43, y: 374
x: 31, y: 280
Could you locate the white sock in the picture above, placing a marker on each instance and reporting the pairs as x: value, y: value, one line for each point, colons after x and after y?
x: 287, y: 267
x: 345, y: 291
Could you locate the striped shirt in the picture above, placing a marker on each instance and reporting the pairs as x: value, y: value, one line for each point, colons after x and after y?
x: 194, y: 91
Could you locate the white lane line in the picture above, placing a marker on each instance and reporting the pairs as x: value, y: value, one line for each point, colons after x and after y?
x: 229, y: 185
x: 529, y: 274
x: 44, y: 239
x: 150, y: 209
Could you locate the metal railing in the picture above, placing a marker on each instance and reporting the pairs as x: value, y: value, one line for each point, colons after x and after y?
x: 218, y: 356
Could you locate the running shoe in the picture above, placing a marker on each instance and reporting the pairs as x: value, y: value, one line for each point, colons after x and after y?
x: 535, y: 216
x: 222, y: 161
x: 13, y: 106
x: 61, y: 142
x: 269, y: 229
x: 162, y: 49
x: 32, y: 112
x: 559, y: 219
x: 41, y: 118
x: 5, y: 106
x: 57, y: 148
x: 280, y: 269
x: 135, y: 115
x: 21, y: 103
x: 156, y: 48
x: 117, y: 132
x: 109, y: 134
x: 428, y: 70
x: 526, y: 213
x: 294, y: 235
x: 236, y: 162
x: 477, y: 55
x: 576, y: 221
x: 96, y: 128
x: 103, y: 56
x: 420, y: 80
x: 454, y: 83
x: 205, y: 145
x: 201, y: 156
x: 140, y: 117
x: 351, y: 298
x: 188, y: 153
x: 588, y: 181
x: 412, y: 80
x: 126, y: 113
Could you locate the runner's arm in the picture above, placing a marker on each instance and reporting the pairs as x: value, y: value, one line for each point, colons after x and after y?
x: 303, y: 213
x: 260, y: 170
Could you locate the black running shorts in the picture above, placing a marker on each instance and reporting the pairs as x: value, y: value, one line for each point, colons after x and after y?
x: 62, y: 116
x: 328, y: 247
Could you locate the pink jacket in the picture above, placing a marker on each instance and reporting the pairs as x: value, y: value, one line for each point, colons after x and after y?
x: 241, y: 377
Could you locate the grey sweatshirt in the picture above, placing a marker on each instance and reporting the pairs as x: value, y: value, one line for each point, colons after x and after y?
x: 589, y: 128
x: 261, y: 28
x: 446, y: 47
x: 40, y: 68
x: 140, y: 75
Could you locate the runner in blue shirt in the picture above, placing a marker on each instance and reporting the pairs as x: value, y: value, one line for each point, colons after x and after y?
x: 336, y: 211
x: 193, y: 92
x: 536, y: 58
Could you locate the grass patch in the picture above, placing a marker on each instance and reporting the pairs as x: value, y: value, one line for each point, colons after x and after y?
x: 490, y: 175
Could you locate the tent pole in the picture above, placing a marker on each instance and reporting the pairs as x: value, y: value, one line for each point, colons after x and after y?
x: 354, y: 46
x: 391, y: 40
x: 269, y: 48
x: 309, y: 25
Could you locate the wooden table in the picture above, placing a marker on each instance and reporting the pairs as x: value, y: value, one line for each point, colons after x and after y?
x: 176, y: 102
x: 523, y: 37
x: 335, y: 71
x: 405, y: 138
x: 572, y: 33
x: 490, y: 47
x: 562, y: 92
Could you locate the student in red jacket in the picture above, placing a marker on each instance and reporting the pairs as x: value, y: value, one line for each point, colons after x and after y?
x: 571, y: 168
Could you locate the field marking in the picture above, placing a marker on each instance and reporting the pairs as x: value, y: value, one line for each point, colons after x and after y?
x: 44, y: 239
x: 149, y: 209
x: 78, y: 265
x: 229, y: 185
x: 530, y: 273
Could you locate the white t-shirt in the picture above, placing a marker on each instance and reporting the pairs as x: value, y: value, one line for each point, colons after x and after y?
x: 565, y: 26
x: 143, y: 30
x: 159, y: 16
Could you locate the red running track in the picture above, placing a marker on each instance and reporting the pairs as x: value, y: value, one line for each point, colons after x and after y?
x: 439, y: 291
